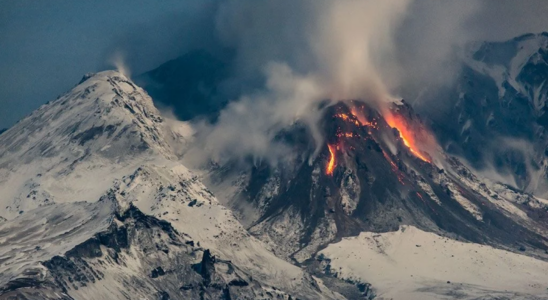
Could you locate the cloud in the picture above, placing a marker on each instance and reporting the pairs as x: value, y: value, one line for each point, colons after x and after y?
x: 390, y: 43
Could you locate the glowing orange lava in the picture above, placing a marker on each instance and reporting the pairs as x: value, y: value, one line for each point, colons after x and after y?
x: 347, y: 118
x: 331, y: 164
x: 405, y: 134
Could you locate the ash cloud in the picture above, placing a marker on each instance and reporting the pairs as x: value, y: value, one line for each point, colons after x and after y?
x: 306, y: 52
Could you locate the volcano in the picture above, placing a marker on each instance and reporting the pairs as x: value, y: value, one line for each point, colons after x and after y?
x: 376, y: 172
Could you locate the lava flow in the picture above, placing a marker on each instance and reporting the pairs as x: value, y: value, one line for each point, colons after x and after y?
x: 405, y: 134
x: 331, y: 164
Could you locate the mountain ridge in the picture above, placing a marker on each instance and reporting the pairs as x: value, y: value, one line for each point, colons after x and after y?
x: 105, y: 140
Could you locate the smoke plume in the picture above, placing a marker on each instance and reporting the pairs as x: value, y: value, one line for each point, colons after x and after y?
x: 306, y: 52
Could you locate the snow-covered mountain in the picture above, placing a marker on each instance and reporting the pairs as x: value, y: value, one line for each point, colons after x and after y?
x: 494, y: 114
x: 97, y: 206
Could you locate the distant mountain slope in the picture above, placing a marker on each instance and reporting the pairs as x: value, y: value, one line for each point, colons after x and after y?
x: 102, y: 145
x: 495, y: 115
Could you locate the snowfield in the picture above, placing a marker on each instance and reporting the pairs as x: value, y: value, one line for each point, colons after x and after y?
x: 414, y: 264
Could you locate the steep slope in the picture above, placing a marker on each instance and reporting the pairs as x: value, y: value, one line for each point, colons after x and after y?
x: 99, y: 130
x: 104, y: 145
x: 134, y: 256
x: 45, y: 232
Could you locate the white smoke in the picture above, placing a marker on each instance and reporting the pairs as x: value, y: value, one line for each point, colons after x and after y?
x: 118, y: 61
x: 248, y: 126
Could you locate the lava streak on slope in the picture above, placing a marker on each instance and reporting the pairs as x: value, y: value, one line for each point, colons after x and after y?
x: 406, y: 135
x: 331, y: 164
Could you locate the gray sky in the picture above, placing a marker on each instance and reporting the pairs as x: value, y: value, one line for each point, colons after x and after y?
x: 46, y: 46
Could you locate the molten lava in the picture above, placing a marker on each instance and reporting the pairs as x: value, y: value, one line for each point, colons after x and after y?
x: 331, y: 164
x: 406, y: 135
x: 347, y: 118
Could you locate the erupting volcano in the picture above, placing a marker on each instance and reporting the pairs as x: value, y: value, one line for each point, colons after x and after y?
x: 381, y: 183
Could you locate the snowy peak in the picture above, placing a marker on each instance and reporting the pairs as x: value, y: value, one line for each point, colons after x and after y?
x: 515, y: 64
x: 106, y: 108
x: 104, y: 143
x: 104, y: 127
x: 509, y: 53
